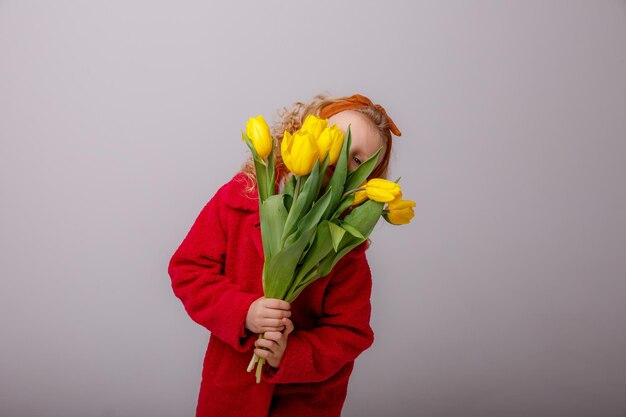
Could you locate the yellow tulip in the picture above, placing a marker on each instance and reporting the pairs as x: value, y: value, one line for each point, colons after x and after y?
x: 299, y: 152
x: 329, y: 143
x: 314, y: 125
x: 259, y: 133
x: 360, y: 196
x: 400, y: 211
x: 285, y: 149
x: 382, y: 190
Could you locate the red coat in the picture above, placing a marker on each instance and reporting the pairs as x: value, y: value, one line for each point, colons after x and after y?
x: 216, y: 273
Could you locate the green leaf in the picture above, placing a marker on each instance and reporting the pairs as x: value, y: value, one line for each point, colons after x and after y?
x: 298, y: 288
x: 338, y: 179
x: 352, y: 230
x: 361, y: 219
x: 281, y: 267
x: 302, y: 203
x: 288, y: 201
x: 249, y: 143
x: 364, y: 217
x: 336, y: 234
x: 327, y: 264
x: 288, y: 191
x: 272, y: 215
x: 359, y: 175
x: 264, y: 172
x: 320, y: 247
x: 343, y: 206
x: 312, y: 218
x: 348, y: 243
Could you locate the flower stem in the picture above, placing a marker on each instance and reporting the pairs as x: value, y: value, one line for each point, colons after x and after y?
x: 347, y: 193
x: 297, y: 191
x: 254, y: 360
x: 259, y: 369
x: 259, y: 362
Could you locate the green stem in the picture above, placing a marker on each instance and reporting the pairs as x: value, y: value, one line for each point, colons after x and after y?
x: 259, y: 369
x: 253, y: 361
x: 347, y: 193
x: 255, y: 358
x: 297, y: 191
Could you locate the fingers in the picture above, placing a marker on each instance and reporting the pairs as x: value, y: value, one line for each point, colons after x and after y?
x: 272, y: 336
x: 270, y: 313
x: 266, y: 314
x: 276, y: 304
x: 288, y: 326
x: 263, y: 353
x: 274, y: 323
x: 266, y: 343
x: 273, y: 344
x: 277, y: 335
x: 271, y: 325
x: 269, y: 350
x: 271, y: 329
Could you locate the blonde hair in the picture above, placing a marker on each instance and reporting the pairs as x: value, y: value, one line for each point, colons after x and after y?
x: 291, y: 120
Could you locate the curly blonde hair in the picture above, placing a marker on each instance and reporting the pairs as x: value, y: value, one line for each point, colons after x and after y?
x: 291, y: 120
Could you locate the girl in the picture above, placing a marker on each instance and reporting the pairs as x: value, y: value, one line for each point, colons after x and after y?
x: 310, y: 345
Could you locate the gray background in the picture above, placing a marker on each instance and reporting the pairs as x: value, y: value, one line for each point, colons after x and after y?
x: 504, y: 297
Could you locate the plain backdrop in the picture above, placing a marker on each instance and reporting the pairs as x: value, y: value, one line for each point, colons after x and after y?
x: 504, y: 297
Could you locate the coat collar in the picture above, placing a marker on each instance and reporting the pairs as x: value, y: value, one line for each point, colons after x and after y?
x: 241, y: 193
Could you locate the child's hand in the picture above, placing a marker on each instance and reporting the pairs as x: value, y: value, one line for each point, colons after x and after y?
x: 266, y: 314
x: 275, y: 342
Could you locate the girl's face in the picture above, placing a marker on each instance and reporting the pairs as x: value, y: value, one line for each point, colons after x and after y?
x: 365, y: 137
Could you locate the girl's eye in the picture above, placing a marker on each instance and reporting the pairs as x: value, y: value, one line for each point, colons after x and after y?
x: 356, y: 160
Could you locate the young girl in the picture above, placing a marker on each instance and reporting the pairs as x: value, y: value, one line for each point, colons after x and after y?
x: 310, y: 345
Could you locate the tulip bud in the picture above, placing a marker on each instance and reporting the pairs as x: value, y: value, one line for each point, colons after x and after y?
x: 400, y: 211
x: 258, y: 132
x: 314, y: 125
x: 302, y: 152
x: 285, y: 149
x: 329, y: 143
x: 359, y: 197
x: 382, y: 190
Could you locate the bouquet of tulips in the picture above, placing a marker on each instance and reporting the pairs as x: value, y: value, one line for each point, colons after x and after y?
x: 303, y: 231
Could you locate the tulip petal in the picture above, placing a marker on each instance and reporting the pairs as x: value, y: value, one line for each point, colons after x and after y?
x: 359, y: 197
x: 285, y: 150
x: 314, y: 125
x: 304, y: 153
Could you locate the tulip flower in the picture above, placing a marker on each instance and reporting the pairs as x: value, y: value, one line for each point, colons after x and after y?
x: 258, y: 132
x: 314, y: 125
x: 285, y: 149
x: 400, y: 211
x: 382, y: 190
x: 360, y: 195
x: 299, y: 152
x: 329, y: 143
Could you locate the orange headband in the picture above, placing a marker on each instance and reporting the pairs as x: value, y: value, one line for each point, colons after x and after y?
x: 356, y: 101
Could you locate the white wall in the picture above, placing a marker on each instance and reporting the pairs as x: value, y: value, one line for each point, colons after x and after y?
x: 504, y: 297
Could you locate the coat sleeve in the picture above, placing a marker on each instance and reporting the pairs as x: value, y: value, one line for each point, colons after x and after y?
x: 196, y: 270
x: 342, y: 333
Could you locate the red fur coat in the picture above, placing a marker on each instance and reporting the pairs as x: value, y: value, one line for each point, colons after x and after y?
x: 216, y: 273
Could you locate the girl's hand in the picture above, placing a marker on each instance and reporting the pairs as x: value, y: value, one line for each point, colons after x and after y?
x: 266, y: 314
x: 276, y: 343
